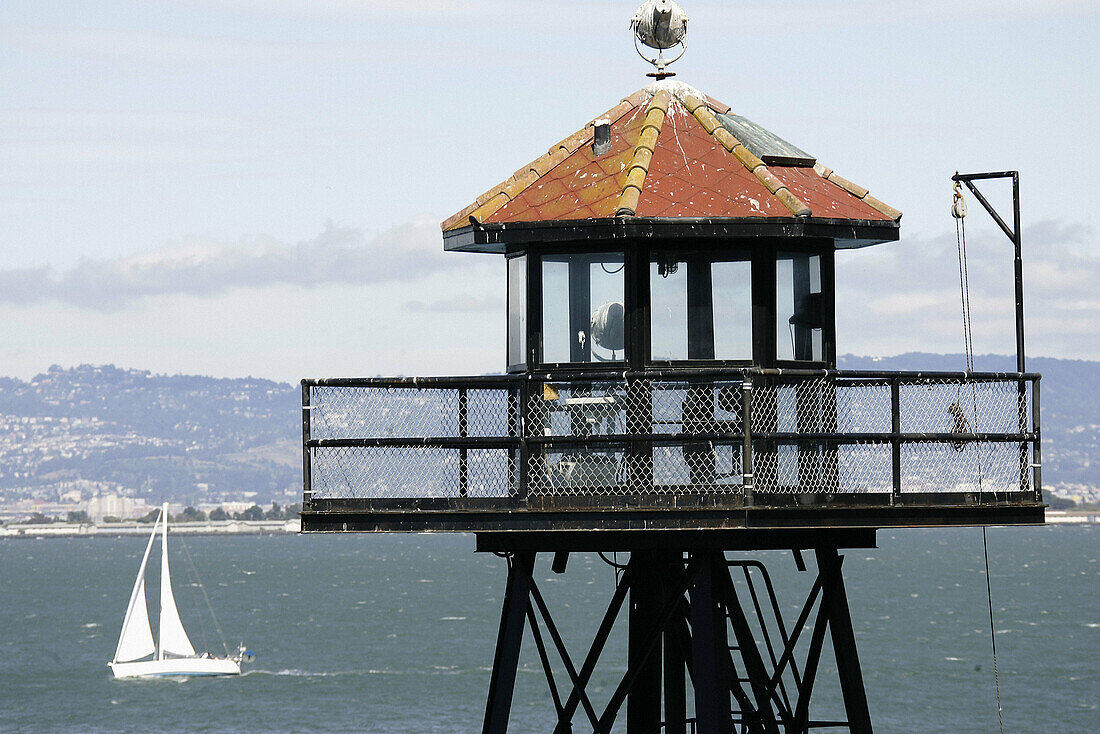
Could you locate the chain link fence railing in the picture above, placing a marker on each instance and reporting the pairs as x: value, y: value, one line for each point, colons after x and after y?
x: 833, y: 434
x: 400, y: 411
x: 411, y: 438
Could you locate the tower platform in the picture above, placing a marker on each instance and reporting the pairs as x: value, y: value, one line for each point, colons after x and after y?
x: 684, y: 451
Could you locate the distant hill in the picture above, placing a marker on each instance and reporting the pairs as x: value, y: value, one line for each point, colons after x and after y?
x: 189, y: 439
x: 182, y: 438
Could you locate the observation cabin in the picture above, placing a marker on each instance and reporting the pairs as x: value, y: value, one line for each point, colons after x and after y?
x: 671, y: 360
x: 670, y: 389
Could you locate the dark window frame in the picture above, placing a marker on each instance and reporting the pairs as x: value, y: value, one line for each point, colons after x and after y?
x: 761, y: 253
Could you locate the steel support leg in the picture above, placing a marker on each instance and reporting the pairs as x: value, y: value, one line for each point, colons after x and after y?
x: 710, y: 649
x: 643, y: 703
x: 835, y: 603
x: 509, y: 639
x: 662, y: 648
x: 675, y: 688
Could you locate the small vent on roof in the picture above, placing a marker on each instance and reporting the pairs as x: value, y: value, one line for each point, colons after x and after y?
x: 601, y: 140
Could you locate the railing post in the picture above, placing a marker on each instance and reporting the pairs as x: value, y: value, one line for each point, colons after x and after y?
x: 1021, y: 414
x: 746, y: 442
x: 639, y: 420
x: 463, y: 432
x: 524, y: 460
x: 307, y: 469
x: 1037, y: 447
x: 513, y: 397
x: 895, y: 439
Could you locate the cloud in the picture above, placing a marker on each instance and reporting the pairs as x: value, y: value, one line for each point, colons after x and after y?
x: 906, y: 296
x: 891, y: 299
x: 339, y: 255
x: 460, y: 303
x: 469, y: 12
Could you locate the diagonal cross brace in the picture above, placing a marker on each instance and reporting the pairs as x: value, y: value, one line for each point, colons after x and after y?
x: 565, y: 715
x: 580, y: 681
x: 1013, y: 233
x: 989, y: 208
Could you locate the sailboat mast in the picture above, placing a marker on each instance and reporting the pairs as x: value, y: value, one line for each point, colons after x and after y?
x: 164, y: 579
x: 173, y: 637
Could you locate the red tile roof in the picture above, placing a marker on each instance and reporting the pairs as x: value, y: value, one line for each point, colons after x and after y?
x: 672, y: 154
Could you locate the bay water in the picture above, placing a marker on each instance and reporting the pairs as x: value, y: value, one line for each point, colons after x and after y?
x: 395, y: 633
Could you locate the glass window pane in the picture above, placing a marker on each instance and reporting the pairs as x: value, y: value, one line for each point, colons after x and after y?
x: 668, y: 310
x: 799, y: 319
x: 607, y: 317
x: 732, y: 310
x: 555, y: 311
x: 517, y: 310
x: 700, y: 309
x: 582, y: 308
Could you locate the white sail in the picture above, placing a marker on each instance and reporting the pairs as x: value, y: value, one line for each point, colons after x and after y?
x: 136, y: 640
x: 173, y: 638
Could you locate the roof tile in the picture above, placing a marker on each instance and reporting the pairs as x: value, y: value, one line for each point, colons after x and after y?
x: 570, y: 145
x: 792, y: 202
x: 519, y: 183
x: 690, y: 102
x: 487, y: 209
x: 670, y: 156
x: 854, y: 189
x: 692, y: 174
x: 599, y: 190
x: 637, y: 98
x: 647, y: 142
x: 719, y: 107
x: 879, y: 206
x: 560, y: 207
x: 825, y: 198
x: 772, y: 183
x: 583, y: 170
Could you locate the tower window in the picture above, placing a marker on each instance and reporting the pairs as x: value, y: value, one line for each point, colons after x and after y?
x: 700, y: 307
x: 582, y: 308
x: 798, y: 308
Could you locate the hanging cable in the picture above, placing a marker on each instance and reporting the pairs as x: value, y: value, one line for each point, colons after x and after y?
x: 202, y: 588
x: 992, y: 632
x: 958, y: 211
x: 198, y: 609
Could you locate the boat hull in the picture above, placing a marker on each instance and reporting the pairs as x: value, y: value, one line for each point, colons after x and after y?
x: 176, y: 667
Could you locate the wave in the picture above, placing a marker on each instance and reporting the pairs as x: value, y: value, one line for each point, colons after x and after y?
x: 295, y: 673
x: 298, y: 673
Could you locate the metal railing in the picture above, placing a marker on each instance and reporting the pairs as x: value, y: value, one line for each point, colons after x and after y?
x: 717, y: 436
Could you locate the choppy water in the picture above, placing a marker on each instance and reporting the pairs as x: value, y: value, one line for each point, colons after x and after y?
x: 394, y: 633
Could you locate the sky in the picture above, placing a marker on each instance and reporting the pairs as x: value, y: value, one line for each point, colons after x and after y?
x: 253, y: 187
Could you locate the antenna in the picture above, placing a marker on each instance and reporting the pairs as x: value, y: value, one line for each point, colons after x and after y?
x: 660, y: 24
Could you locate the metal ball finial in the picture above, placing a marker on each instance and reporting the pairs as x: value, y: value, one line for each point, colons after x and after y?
x: 660, y: 24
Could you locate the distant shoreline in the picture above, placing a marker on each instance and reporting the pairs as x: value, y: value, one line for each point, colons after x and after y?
x: 1073, y: 517
x: 116, y: 529
x: 283, y: 527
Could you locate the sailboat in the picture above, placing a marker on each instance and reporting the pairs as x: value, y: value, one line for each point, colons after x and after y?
x: 174, y: 655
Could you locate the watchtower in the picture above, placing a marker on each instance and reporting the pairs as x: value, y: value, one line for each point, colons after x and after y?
x: 671, y: 392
